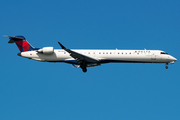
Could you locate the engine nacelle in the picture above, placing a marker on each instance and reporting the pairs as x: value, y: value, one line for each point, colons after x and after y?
x: 46, y: 50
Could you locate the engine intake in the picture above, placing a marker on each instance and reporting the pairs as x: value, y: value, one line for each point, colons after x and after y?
x: 46, y: 50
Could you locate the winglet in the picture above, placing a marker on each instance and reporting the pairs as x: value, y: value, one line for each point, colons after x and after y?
x: 62, y: 46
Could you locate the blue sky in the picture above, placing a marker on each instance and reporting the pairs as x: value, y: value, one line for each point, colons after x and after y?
x: 36, y: 90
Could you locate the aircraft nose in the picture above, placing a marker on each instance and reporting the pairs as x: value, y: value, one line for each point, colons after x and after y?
x: 173, y: 58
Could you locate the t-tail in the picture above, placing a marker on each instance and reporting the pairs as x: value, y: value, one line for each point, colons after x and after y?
x: 21, y: 43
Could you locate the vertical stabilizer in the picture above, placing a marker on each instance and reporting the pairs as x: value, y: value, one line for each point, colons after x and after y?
x: 21, y: 43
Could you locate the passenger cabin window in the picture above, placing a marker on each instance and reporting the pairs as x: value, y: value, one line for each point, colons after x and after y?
x: 164, y: 53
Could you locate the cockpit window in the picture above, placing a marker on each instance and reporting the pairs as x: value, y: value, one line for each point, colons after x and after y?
x: 164, y: 53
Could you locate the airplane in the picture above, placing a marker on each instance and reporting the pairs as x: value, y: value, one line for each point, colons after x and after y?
x: 83, y: 58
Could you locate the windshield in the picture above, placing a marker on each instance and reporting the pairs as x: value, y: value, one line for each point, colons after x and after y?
x: 164, y: 53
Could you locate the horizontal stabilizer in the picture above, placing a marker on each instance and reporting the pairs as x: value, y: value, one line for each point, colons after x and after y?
x: 12, y: 39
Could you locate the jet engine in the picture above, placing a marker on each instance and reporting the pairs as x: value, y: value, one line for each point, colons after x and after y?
x: 46, y: 50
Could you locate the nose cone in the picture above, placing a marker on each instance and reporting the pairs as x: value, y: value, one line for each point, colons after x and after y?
x: 173, y: 58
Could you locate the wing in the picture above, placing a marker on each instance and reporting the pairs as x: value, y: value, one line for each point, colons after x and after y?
x: 79, y: 57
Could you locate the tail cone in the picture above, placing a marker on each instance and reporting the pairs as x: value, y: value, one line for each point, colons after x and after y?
x: 19, y: 54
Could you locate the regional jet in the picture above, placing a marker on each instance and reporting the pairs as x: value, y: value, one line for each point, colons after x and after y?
x: 83, y: 58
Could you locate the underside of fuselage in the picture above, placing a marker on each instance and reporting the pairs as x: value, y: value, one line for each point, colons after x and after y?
x: 109, y: 61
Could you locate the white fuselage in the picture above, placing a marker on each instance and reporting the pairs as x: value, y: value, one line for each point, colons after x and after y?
x: 104, y: 56
x: 89, y: 58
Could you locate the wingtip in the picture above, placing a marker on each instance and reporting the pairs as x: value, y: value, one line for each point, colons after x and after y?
x: 62, y: 46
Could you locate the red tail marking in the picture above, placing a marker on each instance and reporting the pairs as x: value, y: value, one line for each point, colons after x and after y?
x: 24, y: 44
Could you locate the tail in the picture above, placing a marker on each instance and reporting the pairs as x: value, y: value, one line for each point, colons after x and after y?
x: 21, y: 43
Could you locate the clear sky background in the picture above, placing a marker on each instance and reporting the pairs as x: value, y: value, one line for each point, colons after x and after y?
x: 31, y: 90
